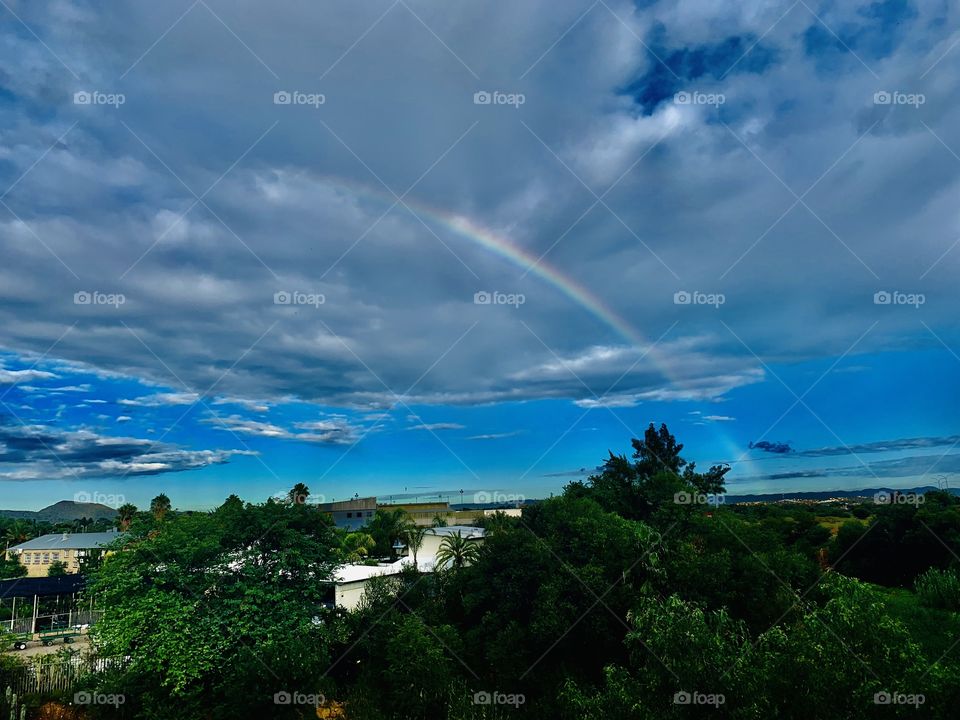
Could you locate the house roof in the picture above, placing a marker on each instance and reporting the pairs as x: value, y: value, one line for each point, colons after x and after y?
x: 467, y: 531
x: 359, y: 573
x: 68, y: 541
x: 41, y: 586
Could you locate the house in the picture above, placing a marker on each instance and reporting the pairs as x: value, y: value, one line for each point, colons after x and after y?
x: 434, y: 537
x: 39, y: 554
x: 350, y: 581
x: 350, y: 514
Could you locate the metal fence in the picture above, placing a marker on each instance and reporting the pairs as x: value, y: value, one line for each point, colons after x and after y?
x: 46, y: 677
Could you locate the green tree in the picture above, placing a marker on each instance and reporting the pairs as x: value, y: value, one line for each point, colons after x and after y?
x: 413, y: 535
x: 386, y: 527
x: 159, y: 507
x: 125, y: 515
x: 220, y: 611
x: 298, y: 494
x: 57, y: 568
x: 358, y: 545
x: 456, y: 551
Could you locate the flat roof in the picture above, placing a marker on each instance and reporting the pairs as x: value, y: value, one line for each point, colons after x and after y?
x: 68, y: 541
x: 467, y: 531
x: 358, y: 573
x: 41, y: 586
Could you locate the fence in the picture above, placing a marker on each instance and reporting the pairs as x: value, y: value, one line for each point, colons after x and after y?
x: 45, y: 677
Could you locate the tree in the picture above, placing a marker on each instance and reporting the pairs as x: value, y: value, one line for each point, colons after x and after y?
x: 12, y: 568
x: 439, y: 521
x: 298, y: 494
x: 456, y: 552
x: 57, y: 568
x: 125, y: 515
x: 358, y: 545
x: 413, y: 535
x: 159, y: 507
x: 386, y: 527
x: 220, y: 611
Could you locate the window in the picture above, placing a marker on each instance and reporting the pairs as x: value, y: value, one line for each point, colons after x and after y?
x: 350, y: 515
x: 46, y: 558
x: 55, y: 556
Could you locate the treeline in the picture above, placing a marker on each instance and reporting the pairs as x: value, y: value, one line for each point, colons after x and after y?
x: 633, y: 595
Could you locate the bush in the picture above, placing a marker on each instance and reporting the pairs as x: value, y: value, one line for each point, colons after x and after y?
x: 939, y: 589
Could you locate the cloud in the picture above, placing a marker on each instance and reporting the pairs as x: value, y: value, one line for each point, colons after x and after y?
x: 719, y: 418
x: 335, y: 431
x: 496, y: 436
x: 433, y: 427
x: 163, y: 399
x: 882, y: 446
x: 39, y: 452
x: 777, y: 448
x: 9, y: 377
x: 123, y: 418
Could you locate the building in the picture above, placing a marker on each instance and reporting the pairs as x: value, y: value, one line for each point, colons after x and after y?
x: 350, y: 514
x: 39, y: 554
x: 422, y: 513
x: 350, y: 581
x: 435, y: 537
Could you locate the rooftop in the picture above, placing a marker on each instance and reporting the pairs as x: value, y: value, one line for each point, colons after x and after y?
x: 68, y: 541
x: 467, y: 531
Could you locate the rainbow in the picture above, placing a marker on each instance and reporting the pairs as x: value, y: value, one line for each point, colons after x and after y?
x: 489, y: 240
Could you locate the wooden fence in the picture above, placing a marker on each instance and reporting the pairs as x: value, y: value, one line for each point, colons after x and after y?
x: 56, y: 676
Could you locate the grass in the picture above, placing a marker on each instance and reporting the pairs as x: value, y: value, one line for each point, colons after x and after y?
x: 833, y: 523
x: 935, y: 631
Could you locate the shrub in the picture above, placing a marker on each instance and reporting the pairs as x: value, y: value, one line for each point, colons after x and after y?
x: 939, y: 589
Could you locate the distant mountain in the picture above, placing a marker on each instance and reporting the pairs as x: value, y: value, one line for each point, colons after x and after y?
x: 63, y: 511
x: 827, y: 494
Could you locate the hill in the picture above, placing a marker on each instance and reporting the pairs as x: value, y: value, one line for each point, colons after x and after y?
x: 64, y: 510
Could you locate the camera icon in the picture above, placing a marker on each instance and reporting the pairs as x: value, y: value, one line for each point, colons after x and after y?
x: 282, y: 97
x: 82, y: 98
x: 282, y: 698
x: 482, y: 497
x: 682, y: 698
x: 882, y: 698
x: 682, y: 498
x: 482, y: 298
x: 82, y: 497
x: 482, y: 98
x: 82, y: 698
x: 482, y: 698
x: 682, y: 98
x: 282, y: 298
x: 682, y: 298
x: 82, y: 298
x: 882, y: 97
x: 882, y: 297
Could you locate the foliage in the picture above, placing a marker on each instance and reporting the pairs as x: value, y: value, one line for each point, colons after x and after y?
x: 939, y: 589
x: 221, y: 610
x: 57, y: 568
x: 456, y: 552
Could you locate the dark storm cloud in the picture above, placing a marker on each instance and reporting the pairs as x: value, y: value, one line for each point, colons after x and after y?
x: 36, y: 452
x: 777, y: 448
x: 103, y: 199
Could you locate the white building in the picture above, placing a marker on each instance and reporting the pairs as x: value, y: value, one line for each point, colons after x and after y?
x: 350, y: 581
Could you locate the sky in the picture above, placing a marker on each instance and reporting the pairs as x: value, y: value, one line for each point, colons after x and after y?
x: 415, y: 249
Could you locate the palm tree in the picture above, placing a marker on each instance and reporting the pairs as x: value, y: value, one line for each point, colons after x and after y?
x: 456, y: 552
x: 413, y: 535
x: 387, y: 527
x: 298, y: 494
x: 358, y: 545
x: 160, y: 506
x: 125, y: 514
x: 439, y: 521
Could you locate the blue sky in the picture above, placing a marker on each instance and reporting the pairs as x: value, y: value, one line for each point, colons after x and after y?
x: 406, y: 249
